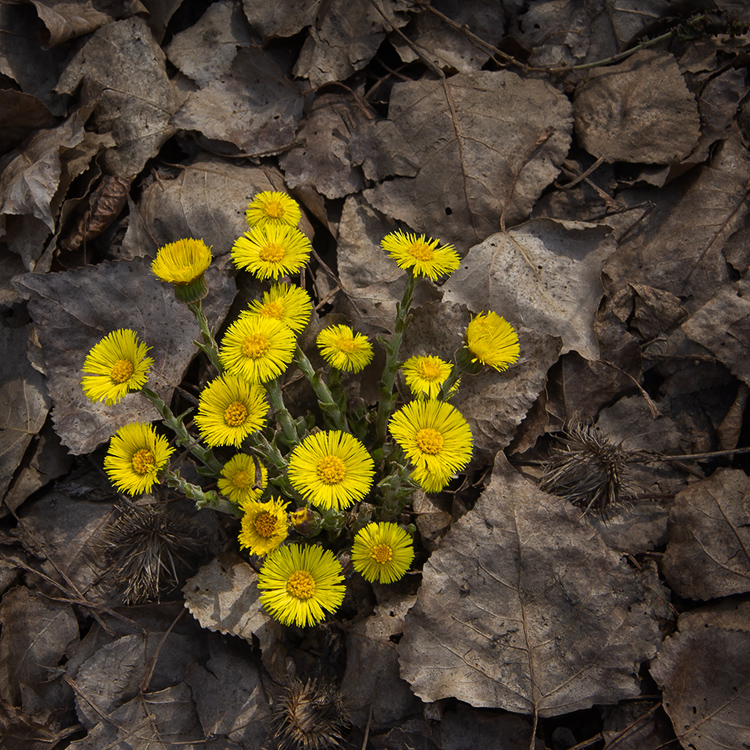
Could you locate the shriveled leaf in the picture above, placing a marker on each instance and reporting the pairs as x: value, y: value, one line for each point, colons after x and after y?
x: 637, y: 111
x: 709, y: 537
x: 280, y: 19
x: 123, y: 62
x: 544, y: 275
x: 704, y: 672
x: 28, y: 732
x: 473, y: 135
x: 76, y: 309
x: 253, y: 105
x: 523, y: 608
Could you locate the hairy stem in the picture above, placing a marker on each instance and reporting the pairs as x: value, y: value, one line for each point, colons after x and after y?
x: 209, y: 346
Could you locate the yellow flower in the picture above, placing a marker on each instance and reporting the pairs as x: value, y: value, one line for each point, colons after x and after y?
x: 288, y: 303
x: 420, y: 254
x: 136, y: 455
x: 257, y: 349
x: 382, y: 552
x: 271, y: 251
x: 183, y: 264
x: 230, y: 409
x: 273, y: 208
x: 492, y: 341
x: 331, y: 469
x: 425, y: 376
x: 344, y: 349
x: 435, y: 438
x: 118, y: 365
x: 264, y: 526
x: 239, y: 479
x: 300, y: 584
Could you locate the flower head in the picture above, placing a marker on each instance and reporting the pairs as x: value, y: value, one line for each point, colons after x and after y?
x: 492, y: 341
x: 382, y: 552
x: 257, y: 349
x: 271, y: 207
x: 183, y: 264
x: 230, y: 409
x: 425, y: 376
x: 271, y: 250
x: 264, y: 526
x: 118, y: 365
x: 344, y: 349
x: 300, y: 583
x: 420, y: 254
x: 288, y: 303
x: 331, y: 469
x: 135, y: 457
x: 436, y: 439
x: 243, y: 479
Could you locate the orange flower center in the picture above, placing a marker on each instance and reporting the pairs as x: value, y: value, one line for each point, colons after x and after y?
x: 274, y: 210
x: 300, y: 584
x: 381, y: 553
x: 121, y: 371
x: 241, y: 479
x: 255, y: 345
x: 346, y: 344
x: 272, y: 253
x: 331, y: 470
x: 429, y: 370
x: 421, y: 250
x: 265, y: 524
x: 143, y: 462
x: 235, y: 414
x: 273, y: 310
x: 429, y: 440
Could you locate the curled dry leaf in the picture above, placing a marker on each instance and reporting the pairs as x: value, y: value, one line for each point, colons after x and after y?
x: 280, y: 19
x: 20, y: 114
x: 523, y: 608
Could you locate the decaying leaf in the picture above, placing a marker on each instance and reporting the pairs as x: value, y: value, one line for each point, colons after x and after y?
x: 484, y: 142
x: 523, y: 608
x: 637, y: 726
x: 280, y: 19
x: 483, y: 730
x: 20, y: 114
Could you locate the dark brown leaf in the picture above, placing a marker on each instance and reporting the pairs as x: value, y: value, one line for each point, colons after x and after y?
x: 280, y: 19
x: 20, y: 114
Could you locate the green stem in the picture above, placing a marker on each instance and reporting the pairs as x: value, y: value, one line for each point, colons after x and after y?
x: 387, y: 397
x: 448, y: 383
x: 267, y: 450
x: 326, y: 401
x: 184, y: 438
x: 203, y: 498
x: 209, y: 346
x: 282, y: 413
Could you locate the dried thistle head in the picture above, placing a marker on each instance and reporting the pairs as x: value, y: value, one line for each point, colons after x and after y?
x: 144, y: 550
x: 588, y: 469
x: 309, y: 716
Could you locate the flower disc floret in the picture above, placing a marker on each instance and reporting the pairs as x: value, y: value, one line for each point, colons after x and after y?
x: 117, y: 365
x: 135, y: 457
x: 426, y: 375
x: 344, y: 349
x: 422, y: 256
x: 435, y: 438
x: 492, y: 341
x: 230, y: 409
x: 382, y: 552
x: 257, y: 349
x: 271, y: 251
x: 299, y: 584
x: 238, y: 480
x: 286, y: 303
x: 264, y: 526
x: 331, y: 469
x: 275, y: 208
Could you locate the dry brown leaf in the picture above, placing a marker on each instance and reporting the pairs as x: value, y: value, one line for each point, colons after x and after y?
x: 466, y: 727
x: 637, y: 111
x: 473, y: 135
x: 523, y: 608
x: 637, y: 726
x: 280, y: 19
x: 20, y: 114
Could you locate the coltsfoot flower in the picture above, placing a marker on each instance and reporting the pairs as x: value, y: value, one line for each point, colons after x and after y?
x: 299, y: 584
x: 284, y: 302
x: 421, y: 255
x: 426, y: 375
x: 238, y: 479
x: 271, y: 251
x: 257, y: 349
x: 344, y: 349
x: 331, y: 469
x: 382, y: 552
x: 183, y: 264
x: 435, y: 438
x: 264, y: 526
x: 135, y: 457
x: 118, y: 365
x: 491, y: 340
x: 272, y: 207
x: 230, y: 409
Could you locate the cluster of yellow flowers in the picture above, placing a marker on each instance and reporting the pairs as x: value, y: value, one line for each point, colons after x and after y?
x: 327, y: 470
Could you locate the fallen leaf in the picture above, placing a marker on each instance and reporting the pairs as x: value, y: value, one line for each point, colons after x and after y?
x: 523, y: 608
x: 466, y: 727
x: 484, y: 142
x: 20, y: 114
x: 280, y: 19
x: 637, y: 726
